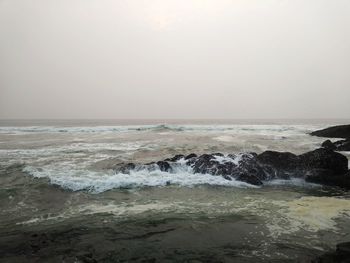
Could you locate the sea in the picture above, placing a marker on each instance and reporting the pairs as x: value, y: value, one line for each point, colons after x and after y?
x: 61, y: 199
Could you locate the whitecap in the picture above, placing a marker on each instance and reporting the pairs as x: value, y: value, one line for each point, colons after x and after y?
x: 97, y: 182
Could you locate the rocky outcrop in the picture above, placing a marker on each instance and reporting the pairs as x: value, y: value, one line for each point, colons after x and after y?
x: 340, y: 255
x: 328, y: 145
x: 286, y: 164
x: 324, y: 159
x: 342, y: 145
x: 341, y: 131
x: 320, y: 166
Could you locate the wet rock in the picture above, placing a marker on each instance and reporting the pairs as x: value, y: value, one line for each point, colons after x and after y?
x: 227, y: 170
x: 205, y: 164
x: 326, y: 177
x: 340, y: 255
x: 341, y: 131
x: 249, y: 170
x: 328, y: 145
x: 280, y: 160
x: 245, y: 169
x: 191, y: 155
x: 250, y: 179
x: 327, y: 159
x: 280, y: 165
x: 322, y: 166
x: 164, y: 166
x: 342, y: 145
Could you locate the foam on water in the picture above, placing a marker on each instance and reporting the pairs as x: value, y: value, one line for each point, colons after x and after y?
x: 97, y: 182
x: 73, y: 154
x: 308, y: 213
x: 118, y: 210
x: 73, y: 147
x: 227, y: 159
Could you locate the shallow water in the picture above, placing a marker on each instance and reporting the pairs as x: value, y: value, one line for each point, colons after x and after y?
x: 61, y: 199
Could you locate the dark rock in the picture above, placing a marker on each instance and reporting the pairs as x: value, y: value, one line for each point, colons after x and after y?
x: 164, y: 166
x: 341, y: 131
x: 191, y: 155
x: 249, y: 170
x: 280, y: 165
x: 205, y: 163
x: 340, y: 255
x: 343, y: 145
x: 344, y: 248
x: 326, y: 177
x: 177, y: 157
x: 328, y: 145
x: 280, y: 160
x: 226, y: 170
x: 322, y: 166
x: 322, y: 158
x: 254, y: 180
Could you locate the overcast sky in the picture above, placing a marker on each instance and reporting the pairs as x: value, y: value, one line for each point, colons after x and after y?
x: 174, y: 59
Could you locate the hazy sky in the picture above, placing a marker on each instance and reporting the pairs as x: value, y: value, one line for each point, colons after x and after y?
x: 174, y: 59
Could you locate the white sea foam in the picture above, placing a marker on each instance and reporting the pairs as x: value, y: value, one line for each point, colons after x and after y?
x: 73, y: 147
x: 230, y: 159
x: 118, y: 210
x: 308, y: 213
x: 80, y: 154
x: 98, y: 182
x: 282, y: 217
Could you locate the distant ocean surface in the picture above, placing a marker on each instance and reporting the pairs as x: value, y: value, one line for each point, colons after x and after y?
x: 59, y: 176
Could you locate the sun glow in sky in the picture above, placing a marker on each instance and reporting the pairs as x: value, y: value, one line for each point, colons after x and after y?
x: 174, y: 59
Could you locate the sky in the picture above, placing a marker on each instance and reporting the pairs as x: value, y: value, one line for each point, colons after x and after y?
x: 182, y: 59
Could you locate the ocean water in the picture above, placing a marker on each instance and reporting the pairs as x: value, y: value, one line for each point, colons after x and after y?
x: 62, y: 201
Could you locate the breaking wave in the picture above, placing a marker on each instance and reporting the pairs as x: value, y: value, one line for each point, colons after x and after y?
x: 68, y: 177
x: 97, y: 182
x: 102, y: 183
